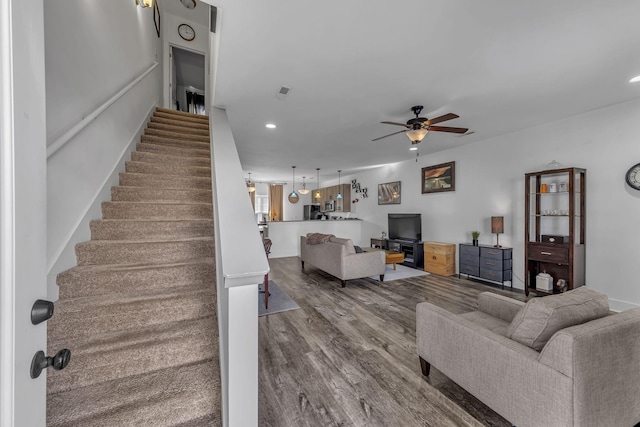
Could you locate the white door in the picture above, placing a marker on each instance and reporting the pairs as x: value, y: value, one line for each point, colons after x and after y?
x: 22, y: 210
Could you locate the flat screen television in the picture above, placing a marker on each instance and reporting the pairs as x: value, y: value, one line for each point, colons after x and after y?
x: 405, y: 226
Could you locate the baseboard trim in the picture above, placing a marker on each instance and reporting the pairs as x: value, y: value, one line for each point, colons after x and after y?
x: 65, y: 256
x: 617, y: 305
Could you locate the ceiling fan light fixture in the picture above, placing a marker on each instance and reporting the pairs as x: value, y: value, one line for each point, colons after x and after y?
x: 413, y: 148
x: 416, y: 135
x: 636, y: 79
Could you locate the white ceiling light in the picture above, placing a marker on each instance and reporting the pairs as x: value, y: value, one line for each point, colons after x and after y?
x: 189, y: 4
x: 636, y: 79
x: 270, y: 126
x: 413, y: 148
x: 304, y: 190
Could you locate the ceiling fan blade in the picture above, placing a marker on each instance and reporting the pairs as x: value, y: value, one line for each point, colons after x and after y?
x: 449, y: 116
x: 395, y: 133
x: 395, y: 123
x: 447, y: 129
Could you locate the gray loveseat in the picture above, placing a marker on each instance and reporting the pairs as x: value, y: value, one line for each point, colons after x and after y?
x: 583, y: 375
x: 338, y: 257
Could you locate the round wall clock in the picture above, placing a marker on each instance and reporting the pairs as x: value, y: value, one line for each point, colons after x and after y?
x: 187, y: 32
x: 633, y: 177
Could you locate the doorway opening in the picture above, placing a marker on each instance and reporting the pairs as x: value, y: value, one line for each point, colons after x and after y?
x: 187, y: 81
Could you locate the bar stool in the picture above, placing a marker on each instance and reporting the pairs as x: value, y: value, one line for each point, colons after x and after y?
x: 267, y: 250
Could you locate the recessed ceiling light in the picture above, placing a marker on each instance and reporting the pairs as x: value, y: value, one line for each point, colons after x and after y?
x: 635, y: 79
x: 413, y: 148
x: 270, y: 126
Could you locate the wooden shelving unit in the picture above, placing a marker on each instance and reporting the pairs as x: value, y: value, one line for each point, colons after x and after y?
x: 555, y: 227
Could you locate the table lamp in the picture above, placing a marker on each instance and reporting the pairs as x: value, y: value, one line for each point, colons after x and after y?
x: 497, y: 226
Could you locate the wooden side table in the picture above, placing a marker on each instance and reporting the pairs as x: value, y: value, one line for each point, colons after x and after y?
x: 378, y: 243
x: 440, y: 258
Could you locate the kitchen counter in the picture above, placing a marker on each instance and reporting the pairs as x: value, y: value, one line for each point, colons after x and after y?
x: 285, y: 235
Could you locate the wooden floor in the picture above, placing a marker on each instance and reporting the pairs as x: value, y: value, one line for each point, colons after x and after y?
x: 348, y: 357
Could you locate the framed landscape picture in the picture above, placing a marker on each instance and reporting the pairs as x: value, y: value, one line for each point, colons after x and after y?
x: 439, y: 178
x: 389, y: 193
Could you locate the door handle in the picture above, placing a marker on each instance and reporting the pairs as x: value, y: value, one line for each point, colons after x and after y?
x: 41, y: 362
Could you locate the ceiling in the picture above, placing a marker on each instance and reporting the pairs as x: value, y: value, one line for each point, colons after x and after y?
x: 500, y: 65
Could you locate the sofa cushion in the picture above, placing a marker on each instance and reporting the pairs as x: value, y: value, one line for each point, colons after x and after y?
x: 540, y: 318
x: 318, y: 238
x: 494, y: 324
x: 348, y: 243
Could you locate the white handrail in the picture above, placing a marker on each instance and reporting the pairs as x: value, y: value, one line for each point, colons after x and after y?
x: 68, y: 135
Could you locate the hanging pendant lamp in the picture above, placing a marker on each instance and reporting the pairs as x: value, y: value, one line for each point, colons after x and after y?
x: 317, y: 194
x: 293, y: 196
x: 304, y: 190
x: 339, y: 196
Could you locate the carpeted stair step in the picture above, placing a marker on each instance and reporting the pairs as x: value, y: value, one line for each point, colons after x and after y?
x: 171, y: 169
x: 127, y: 353
x: 173, y: 150
x: 167, y: 397
x: 180, y: 115
x: 185, y: 120
x: 153, y: 211
x: 87, y: 316
x: 145, y: 194
x: 127, y: 229
x: 190, y: 130
x: 179, y: 123
x: 108, y: 252
x: 161, y: 159
x: 187, y: 136
x: 164, y: 181
x: 94, y: 280
x: 174, y: 142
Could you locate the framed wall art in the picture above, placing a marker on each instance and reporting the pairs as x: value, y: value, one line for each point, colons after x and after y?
x: 389, y: 193
x: 439, y: 178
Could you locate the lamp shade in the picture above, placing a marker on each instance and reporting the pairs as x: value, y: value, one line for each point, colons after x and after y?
x: 497, y: 224
x: 416, y: 135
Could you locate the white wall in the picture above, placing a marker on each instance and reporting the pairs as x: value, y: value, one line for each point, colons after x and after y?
x: 93, y: 50
x: 490, y: 182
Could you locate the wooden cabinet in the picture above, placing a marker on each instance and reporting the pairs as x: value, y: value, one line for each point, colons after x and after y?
x: 488, y: 263
x: 440, y: 258
x: 343, y: 204
x: 555, y: 227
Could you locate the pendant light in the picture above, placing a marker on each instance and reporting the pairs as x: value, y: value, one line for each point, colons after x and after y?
x: 303, y: 190
x: 317, y: 195
x: 251, y: 186
x: 339, y: 196
x: 293, y: 196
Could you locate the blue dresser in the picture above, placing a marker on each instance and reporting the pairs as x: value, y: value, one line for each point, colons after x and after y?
x: 486, y: 263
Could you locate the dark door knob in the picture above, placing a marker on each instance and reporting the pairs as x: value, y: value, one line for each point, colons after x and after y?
x: 41, y: 362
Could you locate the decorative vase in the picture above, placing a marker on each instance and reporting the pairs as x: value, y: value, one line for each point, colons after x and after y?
x: 475, y: 242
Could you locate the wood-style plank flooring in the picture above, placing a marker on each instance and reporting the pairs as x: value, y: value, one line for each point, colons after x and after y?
x: 348, y: 357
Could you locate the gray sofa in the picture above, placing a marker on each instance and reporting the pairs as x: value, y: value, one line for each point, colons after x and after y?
x: 582, y: 375
x: 338, y: 257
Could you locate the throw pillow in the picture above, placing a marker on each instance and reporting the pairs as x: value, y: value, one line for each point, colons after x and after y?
x: 358, y: 249
x: 540, y: 318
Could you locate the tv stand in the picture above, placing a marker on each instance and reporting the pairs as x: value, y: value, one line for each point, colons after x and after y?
x: 412, y: 250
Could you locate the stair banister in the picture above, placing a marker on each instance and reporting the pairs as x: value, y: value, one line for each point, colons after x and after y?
x: 86, y: 120
x: 241, y: 264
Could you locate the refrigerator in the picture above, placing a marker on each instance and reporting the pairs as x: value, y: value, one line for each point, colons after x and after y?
x: 310, y: 211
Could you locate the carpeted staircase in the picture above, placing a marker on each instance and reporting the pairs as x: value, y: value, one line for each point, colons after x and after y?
x: 139, y: 311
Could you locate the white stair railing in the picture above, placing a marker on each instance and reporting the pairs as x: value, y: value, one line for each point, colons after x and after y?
x: 241, y: 264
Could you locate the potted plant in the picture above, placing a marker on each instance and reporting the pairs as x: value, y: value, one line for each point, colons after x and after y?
x: 475, y: 235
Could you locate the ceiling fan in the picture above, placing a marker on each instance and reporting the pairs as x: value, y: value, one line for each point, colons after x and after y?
x: 417, y: 128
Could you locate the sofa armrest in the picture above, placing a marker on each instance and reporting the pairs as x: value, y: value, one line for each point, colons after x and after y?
x: 363, y: 264
x: 603, y: 359
x: 499, y: 306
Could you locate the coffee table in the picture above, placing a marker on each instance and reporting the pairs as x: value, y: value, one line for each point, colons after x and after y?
x: 394, y: 258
